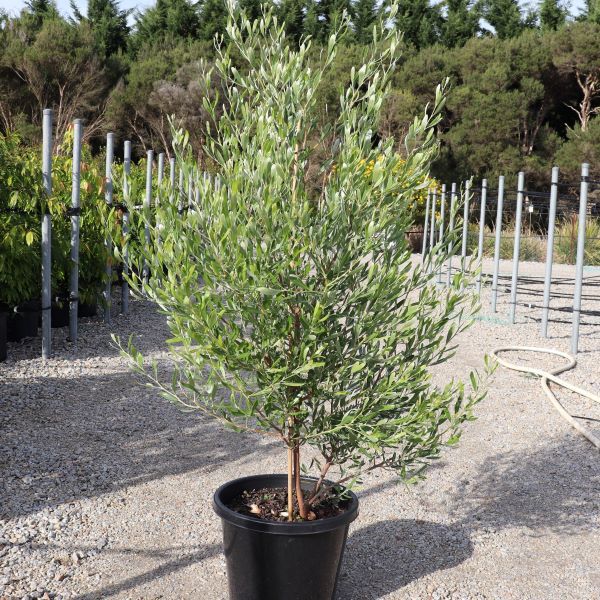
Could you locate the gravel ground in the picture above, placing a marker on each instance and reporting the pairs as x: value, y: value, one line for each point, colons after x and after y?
x: 105, y: 489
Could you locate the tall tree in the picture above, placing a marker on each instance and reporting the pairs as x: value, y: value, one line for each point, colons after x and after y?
x: 592, y: 11
x: 552, y: 15
x: 365, y: 15
x: 420, y: 22
x: 213, y: 19
x: 461, y: 24
x: 577, y: 52
x: 312, y: 21
x: 168, y: 19
x: 108, y: 22
x: 292, y: 13
x: 62, y: 70
x: 36, y: 12
x: 504, y: 16
x: 252, y: 8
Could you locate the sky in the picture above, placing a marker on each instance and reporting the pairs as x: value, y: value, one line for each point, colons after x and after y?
x: 14, y: 6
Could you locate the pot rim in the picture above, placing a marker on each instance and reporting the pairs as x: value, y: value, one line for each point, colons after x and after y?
x: 276, y: 527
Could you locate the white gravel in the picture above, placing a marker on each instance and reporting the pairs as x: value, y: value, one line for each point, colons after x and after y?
x: 105, y: 488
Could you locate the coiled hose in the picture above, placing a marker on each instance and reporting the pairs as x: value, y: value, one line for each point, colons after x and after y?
x: 546, y: 377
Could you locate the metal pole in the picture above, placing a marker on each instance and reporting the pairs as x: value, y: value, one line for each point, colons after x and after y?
x: 108, y: 196
x: 47, y: 236
x: 549, y: 250
x: 481, y: 232
x: 147, y: 202
x: 126, y: 173
x: 465, y: 231
x: 75, y: 191
x: 161, y: 169
x: 585, y: 172
x: 497, y: 242
x: 442, y: 214
x: 172, y: 180
x: 432, y: 228
x: 451, y: 232
x: 517, y: 246
x: 425, y: 227
x: 180, y: 193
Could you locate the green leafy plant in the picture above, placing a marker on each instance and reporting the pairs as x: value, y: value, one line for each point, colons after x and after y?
x: 300, y: 315
x: 20, y: 273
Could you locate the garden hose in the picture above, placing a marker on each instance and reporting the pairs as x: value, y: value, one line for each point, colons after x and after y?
x: 546, y: 377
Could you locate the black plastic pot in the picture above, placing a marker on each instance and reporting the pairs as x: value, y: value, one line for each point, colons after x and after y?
x: 3, y: 317
x: 23, y: 322
x: 280, y: 561
x: 60, y: 313
x: 86, y: 310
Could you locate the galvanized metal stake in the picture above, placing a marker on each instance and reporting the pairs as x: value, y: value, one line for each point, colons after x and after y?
x: 180, y: 193
x: 497, y: 242
x: 442, y: 214
x: 425, y: 226
x: 465, y: 231
x: 481, y: 232
x: 108, y: 196
x: 161, y: 171
x: 549, y: 250
x: 517, y: 247
x: 172, y: 180
x: 126, y: 173
x: 453, y: 197
x: 75, y: 192
x: 432, y: 228
x: 147, y: 202
x: 583, y: 193
x: 47, y: 236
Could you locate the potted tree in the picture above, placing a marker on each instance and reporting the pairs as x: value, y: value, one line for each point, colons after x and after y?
x: 299, y: 314
x: 19, y: 239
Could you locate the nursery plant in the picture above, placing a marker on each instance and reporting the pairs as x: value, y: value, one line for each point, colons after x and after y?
x: 301, y: 315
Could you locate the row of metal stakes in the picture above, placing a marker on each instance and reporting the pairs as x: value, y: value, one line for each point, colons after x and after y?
x: 434, y: 233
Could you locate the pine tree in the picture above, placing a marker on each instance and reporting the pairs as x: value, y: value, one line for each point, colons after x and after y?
x: 461, y: 24
x: 37, y: 11
x: 552, y: 15
x: 420, y: 22
x: 108, y: 22
x: 312, y: 22
x: 505, y: 17
x: 172, y: 19
x: 252, y: 8
x: 331, y: 12
x: 213, y: 19
x: 292, y: 13
x: 365, y: 15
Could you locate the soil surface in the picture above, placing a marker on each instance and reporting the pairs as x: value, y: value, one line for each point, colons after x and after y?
x: 270, y: 504
x: 106, y: 488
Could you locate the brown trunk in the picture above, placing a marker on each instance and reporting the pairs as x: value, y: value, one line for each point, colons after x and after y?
x: 290, y: 498
x: 299, y: 494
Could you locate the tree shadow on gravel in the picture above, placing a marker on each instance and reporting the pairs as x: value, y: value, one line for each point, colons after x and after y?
x: 62, y: 439
x: 388, y: 555
x: 554, y: 488
x: 165, y: 569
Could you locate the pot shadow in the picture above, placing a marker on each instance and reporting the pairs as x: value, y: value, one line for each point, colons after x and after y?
x: 385, y: 556
x: 173, y: 562
x: 551, y: 488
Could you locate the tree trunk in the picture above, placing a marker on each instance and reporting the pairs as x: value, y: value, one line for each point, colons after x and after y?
x: 299, y: 494
x: 290, y: 498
